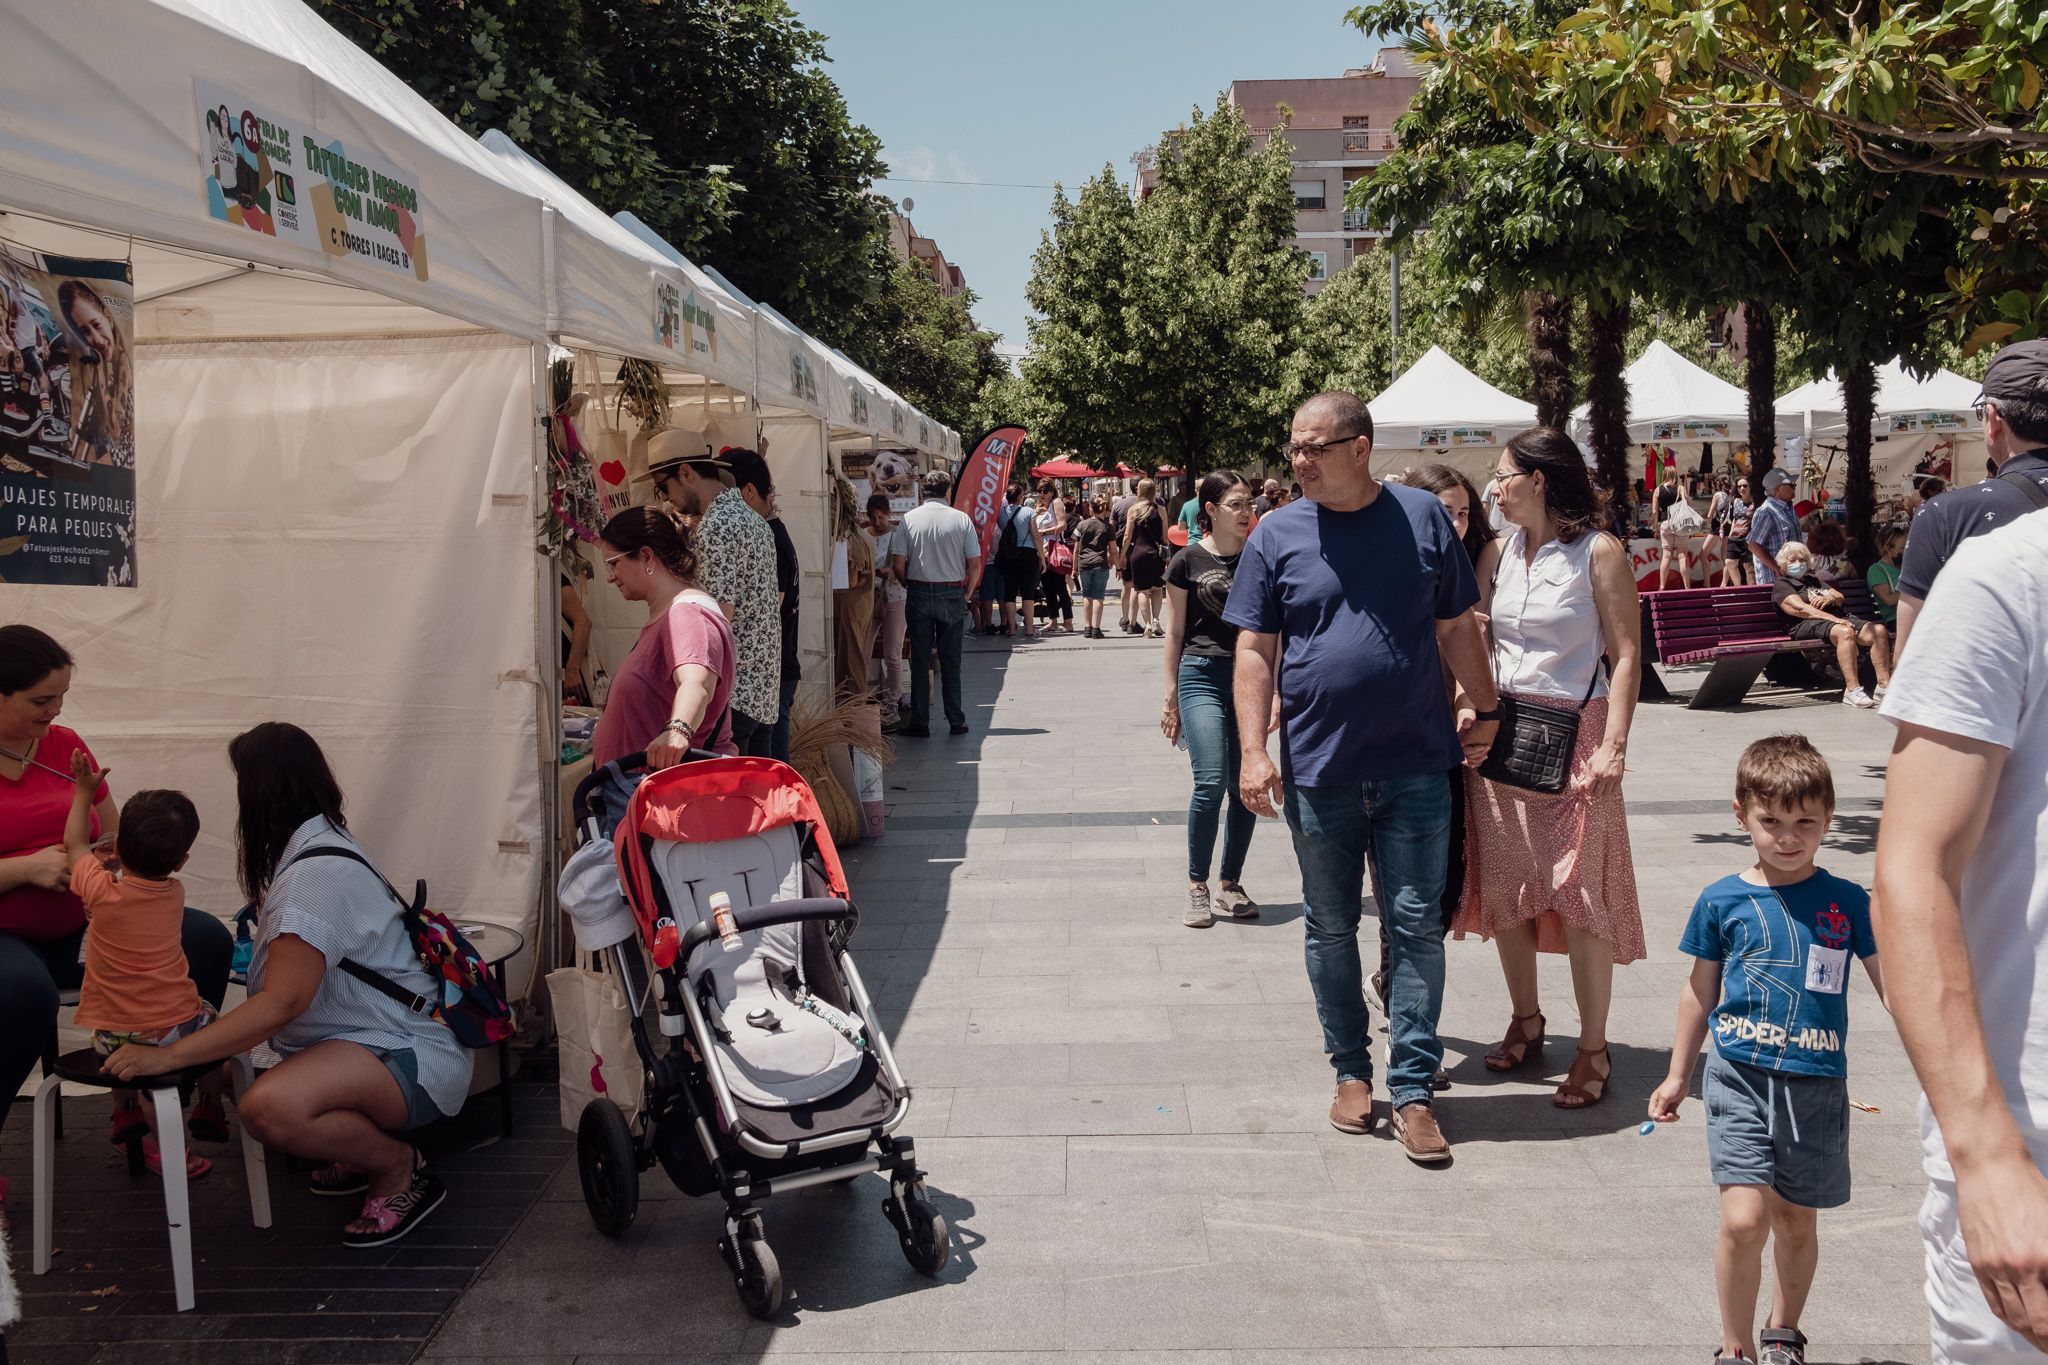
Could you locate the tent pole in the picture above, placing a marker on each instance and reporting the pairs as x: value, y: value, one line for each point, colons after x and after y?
x: 547, y: 612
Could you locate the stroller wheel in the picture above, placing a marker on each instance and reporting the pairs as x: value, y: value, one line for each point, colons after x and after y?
x: 756, y: 1276
x: 606, y: 1163
x: 920, y: 1230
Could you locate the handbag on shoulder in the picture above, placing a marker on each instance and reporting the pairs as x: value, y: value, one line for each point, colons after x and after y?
x: 1533, y: 747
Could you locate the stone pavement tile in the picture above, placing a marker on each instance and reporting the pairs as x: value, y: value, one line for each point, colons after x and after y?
x: 922, y: 1024
x: 1281, y: 1104
x: 993, y: 1166
x: 1239, y: 948
x: 1160, y: 927
x: 1035, y: 960
x: 1283, y: 987
x: 1291, y: 1022
x: 1023, y: 935
x: 1527, y: 1302
x: 915, y: 964
x: 874, y: 1305
x: 979, y: 1063
x: 1237, y: 1303
x: 1688, y: 1354
x: 1281, y: 1165
x: 962, y: 993
x: 1068, y: 1110
x: 1194, y: 1357
x: 1123, y: 1062
x: 1065, y: 1024
x: 1169, y: 988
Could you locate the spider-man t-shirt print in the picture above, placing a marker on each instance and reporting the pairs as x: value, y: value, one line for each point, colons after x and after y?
x: 1784, y: 953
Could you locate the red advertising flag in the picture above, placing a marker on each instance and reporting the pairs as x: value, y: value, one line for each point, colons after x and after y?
x: 979, y: 491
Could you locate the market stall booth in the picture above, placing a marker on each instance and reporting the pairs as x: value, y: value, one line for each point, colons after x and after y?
x: 1924, y: 430
x: 1439, y: 412
x: 290, y: 471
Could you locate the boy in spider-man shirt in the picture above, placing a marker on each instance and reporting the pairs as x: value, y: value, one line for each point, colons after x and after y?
x: 1773, y: 945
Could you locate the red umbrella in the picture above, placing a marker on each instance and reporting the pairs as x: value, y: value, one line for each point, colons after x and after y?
x: 1066, y: 469
x: 1169, y: 473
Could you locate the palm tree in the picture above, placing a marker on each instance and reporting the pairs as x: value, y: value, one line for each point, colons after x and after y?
x: 1760, y: 342
x: 1607, y: 399
x: 1551, y: 359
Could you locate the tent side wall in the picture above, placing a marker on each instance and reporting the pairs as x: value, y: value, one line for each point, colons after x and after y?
x: 336, y: 533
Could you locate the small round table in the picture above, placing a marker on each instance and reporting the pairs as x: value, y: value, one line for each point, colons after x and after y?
x: 497, y: 945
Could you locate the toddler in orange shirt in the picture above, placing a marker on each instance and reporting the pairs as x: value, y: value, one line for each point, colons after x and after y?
x: 138, y: 987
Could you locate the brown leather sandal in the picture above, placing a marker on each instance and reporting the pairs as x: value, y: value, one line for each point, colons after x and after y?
x: 1518, y: 1046
x: 1573, y: 1094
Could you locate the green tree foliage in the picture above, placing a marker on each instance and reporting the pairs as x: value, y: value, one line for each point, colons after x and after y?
x: 929, y: 346
x: 710, y: 119
x: 1163, y: 327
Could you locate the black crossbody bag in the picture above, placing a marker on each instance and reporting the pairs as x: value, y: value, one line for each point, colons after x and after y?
x: 1533, y: 747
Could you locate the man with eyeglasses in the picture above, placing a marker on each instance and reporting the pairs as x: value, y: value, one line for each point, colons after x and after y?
x: 1352, y: 598
x: 2014, y: 410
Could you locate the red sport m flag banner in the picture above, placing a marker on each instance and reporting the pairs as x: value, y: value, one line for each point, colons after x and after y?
x: 979, y: 491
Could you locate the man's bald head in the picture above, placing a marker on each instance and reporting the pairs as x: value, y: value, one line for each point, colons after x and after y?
x: 1337, y: 411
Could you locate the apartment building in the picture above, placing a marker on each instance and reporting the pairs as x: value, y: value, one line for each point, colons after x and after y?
x: 905, y: 242
x: 1338, y: 129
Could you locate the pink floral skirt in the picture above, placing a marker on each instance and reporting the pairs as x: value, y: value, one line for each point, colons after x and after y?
x: 1551, y: 860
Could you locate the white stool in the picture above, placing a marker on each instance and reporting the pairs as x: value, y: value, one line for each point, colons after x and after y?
x: 84, y: 1067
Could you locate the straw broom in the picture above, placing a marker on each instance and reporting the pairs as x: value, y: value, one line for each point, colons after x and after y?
x: 813, y: 731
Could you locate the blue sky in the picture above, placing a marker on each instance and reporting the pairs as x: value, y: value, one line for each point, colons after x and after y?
x: 1038, y: 91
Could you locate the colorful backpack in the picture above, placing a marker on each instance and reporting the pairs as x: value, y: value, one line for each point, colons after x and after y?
x: 470, y: 1003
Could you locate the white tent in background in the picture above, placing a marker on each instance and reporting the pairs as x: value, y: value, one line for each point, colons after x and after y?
x: 1672, y: 401
x: 1923, y: 428
x: 1439, y: 412
x: 336, y: 427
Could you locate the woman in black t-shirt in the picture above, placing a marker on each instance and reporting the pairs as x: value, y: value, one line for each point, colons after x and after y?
x: 1199, y: 710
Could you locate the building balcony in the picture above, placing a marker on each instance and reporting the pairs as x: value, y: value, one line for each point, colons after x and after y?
x: 1355, y: 221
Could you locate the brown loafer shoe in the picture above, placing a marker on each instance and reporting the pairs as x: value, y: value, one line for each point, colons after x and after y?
x: 1415, y: 1125
x: 1352, y: 1110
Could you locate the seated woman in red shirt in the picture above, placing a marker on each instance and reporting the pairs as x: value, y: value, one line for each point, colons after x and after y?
x: 674, y: 691
x: 42, y: 925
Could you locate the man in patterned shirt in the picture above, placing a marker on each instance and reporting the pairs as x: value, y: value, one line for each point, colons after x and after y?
x: 735, y: 564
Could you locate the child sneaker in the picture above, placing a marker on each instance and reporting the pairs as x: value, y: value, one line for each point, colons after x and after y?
x: 1781, y: 1346
x: 1199, y: 915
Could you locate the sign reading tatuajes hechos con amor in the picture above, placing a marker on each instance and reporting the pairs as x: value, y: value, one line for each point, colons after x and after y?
x: 271, y: 173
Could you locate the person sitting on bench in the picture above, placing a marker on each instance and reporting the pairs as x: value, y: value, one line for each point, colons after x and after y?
x: 1813, y: 611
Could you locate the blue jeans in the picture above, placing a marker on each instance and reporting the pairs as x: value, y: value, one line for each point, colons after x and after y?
x: 938, y: 618
x: 1404, y: 825
x: 1094, y: 584
x: 1208, y: 721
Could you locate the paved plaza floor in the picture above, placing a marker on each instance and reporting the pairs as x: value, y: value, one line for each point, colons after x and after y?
x: 1125, y: 1119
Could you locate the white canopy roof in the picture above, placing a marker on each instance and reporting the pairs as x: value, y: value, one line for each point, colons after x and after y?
x: 105, y: 103
x: 1438, y: 404
x: 612, y: 283
x: 1672, y: 399
x: 1940, y: 402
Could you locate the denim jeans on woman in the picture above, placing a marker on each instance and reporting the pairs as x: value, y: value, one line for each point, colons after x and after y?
x: 1208, y: 721
x: 1404, y: 825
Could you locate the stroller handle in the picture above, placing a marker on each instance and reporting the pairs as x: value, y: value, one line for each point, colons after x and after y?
x: 620, y: 767
x: 761, y: 917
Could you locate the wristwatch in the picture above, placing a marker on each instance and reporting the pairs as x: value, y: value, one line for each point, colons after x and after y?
x: 1495, y: 712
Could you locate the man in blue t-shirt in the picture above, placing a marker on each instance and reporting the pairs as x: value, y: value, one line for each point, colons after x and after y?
x: 1352, y: 598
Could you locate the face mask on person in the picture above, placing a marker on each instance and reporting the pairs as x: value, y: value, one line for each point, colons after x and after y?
x: 1797, y: 570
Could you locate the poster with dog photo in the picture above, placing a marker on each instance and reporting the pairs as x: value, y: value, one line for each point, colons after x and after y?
x: 67, y: 420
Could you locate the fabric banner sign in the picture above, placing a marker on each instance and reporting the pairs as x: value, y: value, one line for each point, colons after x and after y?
x: 272, y: 174
x: 979, y: 493
x: 1457, y: 436
x: 1689, y: 431
x: 67, y: 420
x: 681, y: 322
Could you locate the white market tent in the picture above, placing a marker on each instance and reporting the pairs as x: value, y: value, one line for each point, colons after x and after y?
x: 1439, y: 412
x: 338, y: 463
x: 1919, y: 422
x: 1672, y: 401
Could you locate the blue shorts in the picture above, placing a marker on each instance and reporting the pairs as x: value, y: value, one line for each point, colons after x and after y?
x: 1094, y: 584
x: 1784, y: 1131
x: 404, y: 1066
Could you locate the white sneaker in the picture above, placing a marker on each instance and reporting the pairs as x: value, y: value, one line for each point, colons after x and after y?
x: 1856, y: 696
x: 1879, y: 693
x: 1199, y: 915
x: 1232, y: 901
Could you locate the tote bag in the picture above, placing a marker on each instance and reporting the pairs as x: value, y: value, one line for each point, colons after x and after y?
x: 594, y: 1041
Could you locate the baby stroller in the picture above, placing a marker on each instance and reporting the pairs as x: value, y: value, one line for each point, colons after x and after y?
x: 772, y: 1073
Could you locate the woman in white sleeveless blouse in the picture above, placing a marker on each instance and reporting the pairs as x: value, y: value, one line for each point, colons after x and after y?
x: 1554, y: 873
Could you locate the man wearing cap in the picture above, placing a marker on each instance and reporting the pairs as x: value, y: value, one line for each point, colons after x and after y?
x: 942, y: 569
x: 735, y: 564
x: 2014, y: 410
x: 1773, y: 525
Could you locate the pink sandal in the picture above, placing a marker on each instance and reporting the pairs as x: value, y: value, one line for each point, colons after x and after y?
x: 197, y: 1167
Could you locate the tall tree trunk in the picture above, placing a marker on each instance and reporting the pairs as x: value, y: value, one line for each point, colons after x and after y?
x: 1550, y: 358
x: 1607, y: 393
x: 1760, y: 340
x: 1859, y: 405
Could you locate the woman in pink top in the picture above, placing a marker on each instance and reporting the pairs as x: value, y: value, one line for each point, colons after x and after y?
x: 672, y: 692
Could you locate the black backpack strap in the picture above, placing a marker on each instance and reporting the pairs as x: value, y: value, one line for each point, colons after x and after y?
x: 375, y: 980
x: 2036, y: 491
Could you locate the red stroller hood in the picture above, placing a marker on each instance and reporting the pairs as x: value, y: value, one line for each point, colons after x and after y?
x: 714, y: 800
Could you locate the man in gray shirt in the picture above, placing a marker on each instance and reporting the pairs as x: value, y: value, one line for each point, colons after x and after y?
x: 941, y: 570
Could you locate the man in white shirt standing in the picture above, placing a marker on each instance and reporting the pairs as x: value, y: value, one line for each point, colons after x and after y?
x: 1962, y: 910
x: 941, y: 570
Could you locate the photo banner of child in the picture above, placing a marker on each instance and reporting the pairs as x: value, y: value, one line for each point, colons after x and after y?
x: 272, y: 173
x: 67, y: 420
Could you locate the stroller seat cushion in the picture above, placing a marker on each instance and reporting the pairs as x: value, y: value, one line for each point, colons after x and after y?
x: 798, y: 1058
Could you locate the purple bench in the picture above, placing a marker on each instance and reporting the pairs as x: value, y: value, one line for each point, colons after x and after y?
x: 1736, y: 630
